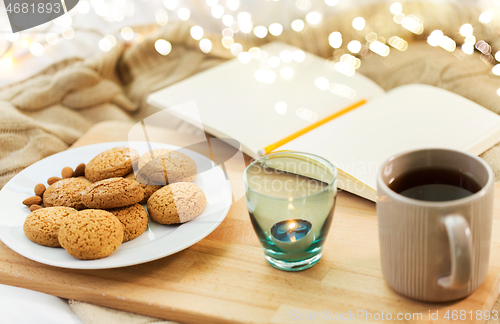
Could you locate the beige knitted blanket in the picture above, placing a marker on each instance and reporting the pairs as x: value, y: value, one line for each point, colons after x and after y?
x: 48, y: 112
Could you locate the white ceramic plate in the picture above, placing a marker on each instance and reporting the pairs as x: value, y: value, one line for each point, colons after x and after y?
x: 156, y: 242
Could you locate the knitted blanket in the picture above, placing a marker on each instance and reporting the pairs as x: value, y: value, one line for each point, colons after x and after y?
x: 48, y: 112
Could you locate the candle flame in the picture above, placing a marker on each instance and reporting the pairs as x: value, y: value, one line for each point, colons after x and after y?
x: 291, y: 226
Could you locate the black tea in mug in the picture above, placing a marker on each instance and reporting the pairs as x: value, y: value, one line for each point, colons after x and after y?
x: 435, y: 184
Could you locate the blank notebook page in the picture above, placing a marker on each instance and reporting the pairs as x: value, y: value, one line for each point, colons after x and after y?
x: 408, y: 117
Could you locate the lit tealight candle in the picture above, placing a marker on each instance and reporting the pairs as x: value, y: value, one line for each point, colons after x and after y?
x: 292, y: 235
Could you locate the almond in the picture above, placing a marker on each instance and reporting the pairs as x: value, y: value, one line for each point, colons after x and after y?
x: 35, y: 200
x: 53, y: 180
x: 35, y: 207
x: 67, y: 172
x: 80, y: 170
x: 40, y: 189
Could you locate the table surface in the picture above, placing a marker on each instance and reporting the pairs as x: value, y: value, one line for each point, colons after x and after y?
x: 225, y: 279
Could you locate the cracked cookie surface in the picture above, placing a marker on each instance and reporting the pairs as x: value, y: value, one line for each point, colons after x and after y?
x: 177, y: 203
x: 134, y: 220
x: 91, y: 234
x: 113, y: 193
x: 162, y: 166
x: 148, y: 189
x: 116, y: 162
x: 42, y: 225
x: 66, y: 192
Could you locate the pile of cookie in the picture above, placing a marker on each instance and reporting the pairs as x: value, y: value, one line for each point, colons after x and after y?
x: 92, y: 210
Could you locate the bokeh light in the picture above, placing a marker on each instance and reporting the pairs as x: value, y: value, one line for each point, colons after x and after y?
x: 211, y: 3
x: 161, y: 17
x: 466, y: 30
x: 183, y: 13
x: 236, y: 49
x: 413, y: 24
x: 205, y: 45
x: 298, y: 25
x: 496, y: 69
x: 83, y: 7
x: 163, y: 47
x: 435, y: 38
x: 104, y: 45
x: 218, y: 11
x: 281, y: 107
x: 314, y: 18
x: 354, y: 46
x: 245, y: 26
x: 244, y: 57
x: 380, y: 48
x: 485, y: 17
x: 335, y: 39
x: 398, y: 43
x: 233, y: 5
x: 331, y: 3
x: 396, y: 8
x: 322, y: 83
x: 127, y: 33
x: 358, y: 23
x: 275, y: 29
x: 468, y: 48
x: 227, y: 20
x: 196, y: 32
x: 260, y: 31
x: 303, y: 5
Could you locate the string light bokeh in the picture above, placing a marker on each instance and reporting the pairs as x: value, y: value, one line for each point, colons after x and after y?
x: 237, y: 23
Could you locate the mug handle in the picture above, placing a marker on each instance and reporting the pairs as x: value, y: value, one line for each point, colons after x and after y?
x: 460, y: 240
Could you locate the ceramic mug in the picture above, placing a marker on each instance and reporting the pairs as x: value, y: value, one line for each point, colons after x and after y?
x: 434, y: 251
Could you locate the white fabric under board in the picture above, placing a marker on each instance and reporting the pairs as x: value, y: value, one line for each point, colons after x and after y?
x: 24, y: 306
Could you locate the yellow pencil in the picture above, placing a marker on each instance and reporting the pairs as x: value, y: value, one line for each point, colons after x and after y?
x: 272, y: 147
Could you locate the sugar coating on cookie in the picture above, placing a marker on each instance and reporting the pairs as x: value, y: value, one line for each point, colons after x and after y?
x: 134, y: 220
x: 162, y: 166
x: 66, y: 192
x: 113, y: 193
x: 148, y: 189
x: 91, y: 234
x: 116, y: 162
x: 42, y: 225
x: 177, y: 203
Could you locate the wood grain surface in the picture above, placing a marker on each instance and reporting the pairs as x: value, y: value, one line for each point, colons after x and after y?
x: 225, y: 279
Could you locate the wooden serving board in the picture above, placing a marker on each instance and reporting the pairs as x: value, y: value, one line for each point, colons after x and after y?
x: 225, y: 279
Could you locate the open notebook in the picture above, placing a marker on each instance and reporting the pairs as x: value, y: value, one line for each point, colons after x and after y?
x: 258, y: 103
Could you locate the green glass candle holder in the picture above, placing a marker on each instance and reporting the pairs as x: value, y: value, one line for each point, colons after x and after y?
x: 291, y: 199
